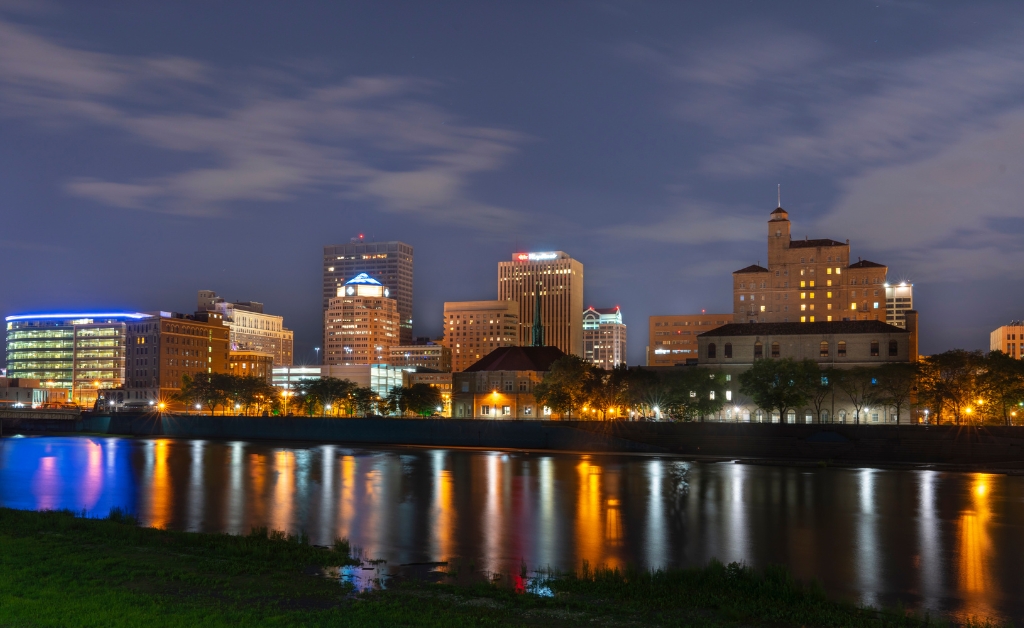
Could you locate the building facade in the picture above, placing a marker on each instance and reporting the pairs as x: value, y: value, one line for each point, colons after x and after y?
x: 428, y: 355
x: 672, y: 339
x: 732, y: 349
x: 500, y: 386
x: 380, y: 378
x: 808, y: 281
x: 361, y: 323
x: 1009, y: 339
x: 604, y: 337
x: 165, y: 347
x: 81, y: 353
x: 558, y: 279
x: 899, y: 298
x: 251, y: 364
x: 29, y: 393
x: 472, y: 329
x: 251, y: 328
x: 390, y: 263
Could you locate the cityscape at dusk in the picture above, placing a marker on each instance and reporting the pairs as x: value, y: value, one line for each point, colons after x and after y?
x: 459, y: 313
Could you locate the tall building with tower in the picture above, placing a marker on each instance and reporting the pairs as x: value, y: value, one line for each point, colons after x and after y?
x: 557, y: 280
x: 808, y: 281
x: 390, y: 263
x: 361, y: 323
x: 604, y: 337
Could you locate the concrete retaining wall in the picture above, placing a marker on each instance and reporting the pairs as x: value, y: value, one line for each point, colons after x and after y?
x: 946, y: 444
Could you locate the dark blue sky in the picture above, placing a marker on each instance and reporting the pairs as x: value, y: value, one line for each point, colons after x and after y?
x: 148, y: 150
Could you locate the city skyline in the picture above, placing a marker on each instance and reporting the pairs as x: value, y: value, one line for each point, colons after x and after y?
x: 647, y: 142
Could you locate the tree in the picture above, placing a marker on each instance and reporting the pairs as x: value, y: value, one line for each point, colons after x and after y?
x: 421, y: 399
x: 896, y: 383
x: 860, y: 387
x: 695, y: 393
x: 604, y: 390
x: 203, y: 389
x: 564, y: 387
x: 949, y: 383
x: 820, y: 387
x: 365, y: 400
x: 1001, y: 385
x: 776, y: 384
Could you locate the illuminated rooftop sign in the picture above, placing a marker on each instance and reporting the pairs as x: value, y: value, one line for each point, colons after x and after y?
x: 77, y: 315
x: 533, y: 257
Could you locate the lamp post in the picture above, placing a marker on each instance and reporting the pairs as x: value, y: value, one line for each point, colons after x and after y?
x: 317, y: 349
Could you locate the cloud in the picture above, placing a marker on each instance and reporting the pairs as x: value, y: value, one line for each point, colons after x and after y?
x: 695, y: 224
x: 258, y: 138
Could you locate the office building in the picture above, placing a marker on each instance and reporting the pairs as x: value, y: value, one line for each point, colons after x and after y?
x: 251, y: 328
x: 500, y: 386
x: 1009, y: 339
x: 604, y: 337
x: 251, y: 364
x: 732, y: 349
x: 427, y: 355
x: 380, y: 378
x: 807, y: 281
x: 165, y: 347
x: 361, y: 323
x: 472, y: 329
x: 81, y: 353
x: 898, y: 299
x: 558, y: 280
x: 390, y: 263
x: 29, y: 393
x: 672, y: 339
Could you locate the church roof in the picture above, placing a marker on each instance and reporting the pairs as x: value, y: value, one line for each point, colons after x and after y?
x: 818, y: 328
x: 363, y: 279
x: 866, y: 264
x: 812, y: 244
x: 518, y: 359
x: 779, y: 210
x: 753, y: 268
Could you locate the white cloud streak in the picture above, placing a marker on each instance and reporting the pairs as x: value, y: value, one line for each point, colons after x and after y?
x: 369, y: 139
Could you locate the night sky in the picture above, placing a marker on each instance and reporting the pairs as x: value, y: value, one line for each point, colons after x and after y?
x: 149, y: 150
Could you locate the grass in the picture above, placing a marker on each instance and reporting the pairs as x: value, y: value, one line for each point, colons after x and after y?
x: 59, y: 569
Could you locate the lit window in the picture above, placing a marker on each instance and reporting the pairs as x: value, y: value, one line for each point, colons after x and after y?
x: 830, y: 318
x: 829, y: 295
x: 812, y: 283
x: 728, y: 395
x: 829, y: 306
x: 853, y: 306
x: 762, y: 307
x: 812, y: 295
x: 828, y: 270
x: 812, y: 319
x: 876, y: 305
x: 742, y: 297
x: 801, y: 270
x: 829, y: 282
x: 803, y: 284
x: 803, y: 319
x: 803, y: 295
x: 839, y: 271
x: 803, y: 307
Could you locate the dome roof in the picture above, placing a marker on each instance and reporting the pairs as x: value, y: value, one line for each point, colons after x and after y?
x: 363, y: 279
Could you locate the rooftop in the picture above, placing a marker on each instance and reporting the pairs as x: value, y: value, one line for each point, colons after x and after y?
x: 820, y: 328
x: 363, y: 279
x: 518, y: 359
x: 866, y: 264
x: 753, y: 268
x: 813, y: 244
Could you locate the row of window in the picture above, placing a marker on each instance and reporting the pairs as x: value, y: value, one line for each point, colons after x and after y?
x: 824, y: 349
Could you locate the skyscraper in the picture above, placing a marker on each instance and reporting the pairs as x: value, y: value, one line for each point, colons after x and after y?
x: 561, y: 297
x: 388, y: 262
x: 604, y: 337
x: 807, y: 281
x: 360, y: 324
x: 472, y: 329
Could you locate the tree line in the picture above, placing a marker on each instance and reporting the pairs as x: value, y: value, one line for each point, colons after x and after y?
x: 324, y: 396
x: 954, y: 387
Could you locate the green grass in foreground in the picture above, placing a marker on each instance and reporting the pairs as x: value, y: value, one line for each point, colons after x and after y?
x: 60, y: 570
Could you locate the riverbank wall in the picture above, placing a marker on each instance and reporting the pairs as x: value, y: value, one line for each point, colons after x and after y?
x: 993, y: 446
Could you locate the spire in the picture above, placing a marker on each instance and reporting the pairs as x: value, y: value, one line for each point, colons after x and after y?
x: 780, y: 196
x: 538, y: 328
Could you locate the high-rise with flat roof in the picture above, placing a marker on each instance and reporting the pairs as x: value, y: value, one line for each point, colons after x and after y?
x: 388, y: 262
x: 898, y: 299
x: 604, y: 337
x: 472, y: 329
x: 558, y: 279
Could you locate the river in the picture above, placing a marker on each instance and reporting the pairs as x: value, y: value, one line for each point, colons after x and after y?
x: 951, y: 543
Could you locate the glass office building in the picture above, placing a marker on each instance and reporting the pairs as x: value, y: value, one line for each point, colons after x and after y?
x: 80, y: 352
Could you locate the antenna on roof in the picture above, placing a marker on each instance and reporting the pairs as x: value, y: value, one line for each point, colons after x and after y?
x: 780, y: 196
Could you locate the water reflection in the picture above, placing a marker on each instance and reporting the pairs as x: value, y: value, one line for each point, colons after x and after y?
x: 942, y: 541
